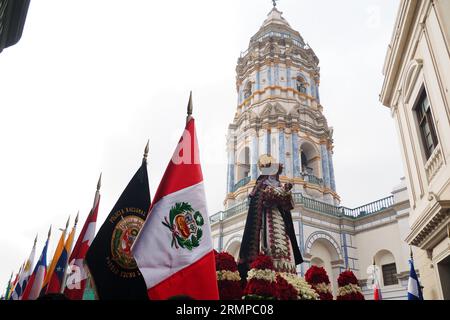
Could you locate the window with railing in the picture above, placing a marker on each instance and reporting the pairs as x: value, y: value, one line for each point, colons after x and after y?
x: 426, y: 124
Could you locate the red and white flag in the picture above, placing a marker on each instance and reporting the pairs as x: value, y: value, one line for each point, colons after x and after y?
x: 174, y: 249
x: 77, y: 272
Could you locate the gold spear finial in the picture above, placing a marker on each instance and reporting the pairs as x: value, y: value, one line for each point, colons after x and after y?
x: 35, y: 240
x: 67, y: 223
x: 146, y: 150
x: 189, y: 108
x: 49, y: 232
x: 76, y: 219
x: 99, y: 183
x: 411, y: 252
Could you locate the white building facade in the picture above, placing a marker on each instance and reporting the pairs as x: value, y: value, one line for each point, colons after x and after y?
x: 416, y: 89
x: 279, y: 113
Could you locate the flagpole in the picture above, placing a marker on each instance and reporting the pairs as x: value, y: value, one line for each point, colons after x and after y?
x: 63, y: 284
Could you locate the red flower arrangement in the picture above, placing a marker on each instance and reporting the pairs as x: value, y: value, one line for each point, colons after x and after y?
x: 284, y: 290
x: 347, y: 277
x: 317, y: 277
x: 261, y: 279
x: 225, y: 261
x: 228, y: 279
x: 262, y: 262
x: 348, y: 287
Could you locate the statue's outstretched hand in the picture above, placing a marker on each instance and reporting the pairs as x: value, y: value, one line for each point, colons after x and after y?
x: 288, y: 186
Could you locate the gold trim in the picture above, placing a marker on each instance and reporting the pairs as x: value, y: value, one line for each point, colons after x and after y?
x: 274, y: 88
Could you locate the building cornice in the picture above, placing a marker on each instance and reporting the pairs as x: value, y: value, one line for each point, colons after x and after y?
x: 397, y: 47
x: 431, y: 226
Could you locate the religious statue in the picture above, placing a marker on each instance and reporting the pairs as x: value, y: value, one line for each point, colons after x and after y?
x: 269, y: 227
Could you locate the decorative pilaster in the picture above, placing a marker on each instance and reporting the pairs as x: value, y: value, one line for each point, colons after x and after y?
x: 317, y: 93
x: 282, y: 149
x: 330, y: 161
x: 254, y: 156
x: 269, y: 141
x: 277, y: 75
x: 295, y: 155
x: 264, y: 144
x: 258, y: 80
x: 288, y: 77
x: 269, y: 76
x: 325, y: 165
x: 231, y: 160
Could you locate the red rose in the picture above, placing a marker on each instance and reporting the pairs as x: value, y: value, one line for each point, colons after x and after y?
x: 316, y: 275
x: 225, y: 261
x: 347, y: 277
x: 284, y: 290
x: 260, y: 287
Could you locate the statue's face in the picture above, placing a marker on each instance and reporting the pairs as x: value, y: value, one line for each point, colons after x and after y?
x: 271, y: 170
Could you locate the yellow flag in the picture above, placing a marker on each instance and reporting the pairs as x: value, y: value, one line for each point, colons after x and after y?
x: 52, y: 266
x: 69, y: 242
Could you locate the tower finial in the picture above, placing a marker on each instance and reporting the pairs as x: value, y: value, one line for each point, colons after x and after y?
x: 275, y: 3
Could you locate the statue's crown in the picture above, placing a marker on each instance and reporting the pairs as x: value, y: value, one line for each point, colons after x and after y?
x: 266, y: 161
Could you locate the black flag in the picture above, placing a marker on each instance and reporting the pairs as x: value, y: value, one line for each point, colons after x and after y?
x: 109, y: 258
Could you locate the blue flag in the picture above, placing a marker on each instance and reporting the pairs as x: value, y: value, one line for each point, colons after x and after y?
x: 414, y: 289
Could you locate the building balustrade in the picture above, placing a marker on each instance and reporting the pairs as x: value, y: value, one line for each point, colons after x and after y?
x: 312, y: 179
x: 315, y: 205
x: 241, y: 183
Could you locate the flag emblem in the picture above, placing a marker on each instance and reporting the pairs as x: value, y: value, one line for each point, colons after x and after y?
x: 185, y: 224
x: 125, y: 232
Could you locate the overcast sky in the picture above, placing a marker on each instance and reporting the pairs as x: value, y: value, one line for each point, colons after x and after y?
x: 91, y: 80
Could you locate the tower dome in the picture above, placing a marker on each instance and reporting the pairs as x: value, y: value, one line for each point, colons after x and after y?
x: 279, y: 113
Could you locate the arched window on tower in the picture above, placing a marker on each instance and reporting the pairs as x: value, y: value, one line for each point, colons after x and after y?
x: 248, y: 90
x: 310, y: 159
x: 301, y: 85
x: 305, y: 163
x: 242, y: 168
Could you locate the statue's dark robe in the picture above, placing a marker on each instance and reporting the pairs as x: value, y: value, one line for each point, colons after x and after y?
x: 250, y: 246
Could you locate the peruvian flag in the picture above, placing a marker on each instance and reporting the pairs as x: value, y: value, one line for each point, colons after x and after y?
x: 76, y: 280
x: 174, y: 249
x: 376, y: 292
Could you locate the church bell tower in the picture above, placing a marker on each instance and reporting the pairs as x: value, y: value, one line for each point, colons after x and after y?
x: 279, y: 113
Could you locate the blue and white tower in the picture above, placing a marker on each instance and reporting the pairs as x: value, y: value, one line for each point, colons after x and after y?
x: 279, y: 113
